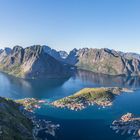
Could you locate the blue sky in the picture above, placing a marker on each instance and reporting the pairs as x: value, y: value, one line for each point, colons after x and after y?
x: 68, y: 24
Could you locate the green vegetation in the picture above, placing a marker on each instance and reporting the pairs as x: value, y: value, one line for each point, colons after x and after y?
x: 94, y: 93
x: 90, y: 96
x: 13, y: 124
x: 14, y: 70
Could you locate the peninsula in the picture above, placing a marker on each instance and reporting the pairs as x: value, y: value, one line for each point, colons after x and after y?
x: 90, y: 96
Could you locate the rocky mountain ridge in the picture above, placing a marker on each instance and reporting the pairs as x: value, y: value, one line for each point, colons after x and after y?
x: 32, y: 62
x: 105, y: 61
x: 42, y: 61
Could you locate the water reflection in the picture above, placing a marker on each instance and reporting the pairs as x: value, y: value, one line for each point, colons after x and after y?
x: 57, y: 88
x: 107, y: 80
x: 13, y: 87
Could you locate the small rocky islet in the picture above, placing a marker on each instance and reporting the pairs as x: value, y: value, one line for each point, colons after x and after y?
x: 90, y: 96
x: 127, y: 124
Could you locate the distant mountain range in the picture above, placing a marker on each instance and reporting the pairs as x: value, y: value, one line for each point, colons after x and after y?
x: 105, y: 61
x: 42, y: 61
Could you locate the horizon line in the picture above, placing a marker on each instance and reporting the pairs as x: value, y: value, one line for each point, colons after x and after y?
x: 24, y: 47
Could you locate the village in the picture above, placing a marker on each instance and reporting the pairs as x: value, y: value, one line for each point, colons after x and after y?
x: 81, y: 104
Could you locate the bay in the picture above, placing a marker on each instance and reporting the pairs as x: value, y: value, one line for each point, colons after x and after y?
x: 92, y: 123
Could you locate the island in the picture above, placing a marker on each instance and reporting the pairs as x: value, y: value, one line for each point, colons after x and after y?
x: 127, y: 124
x: 90, y: 96
x: 19, y: 121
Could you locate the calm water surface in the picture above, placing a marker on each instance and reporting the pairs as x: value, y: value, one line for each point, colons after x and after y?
x: 89, y: 124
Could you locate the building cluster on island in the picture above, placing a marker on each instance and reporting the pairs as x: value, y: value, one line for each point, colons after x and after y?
x: 90, y: 96
x: 74, y: 105
x: 128, y: 124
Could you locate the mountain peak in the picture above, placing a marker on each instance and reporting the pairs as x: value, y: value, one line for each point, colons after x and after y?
x: 33, y: 62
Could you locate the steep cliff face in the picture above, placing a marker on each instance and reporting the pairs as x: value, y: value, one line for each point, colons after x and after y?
x: 4, y: 53
x: 59, y: 55
x: 63, y: 54
x: 73, y: 57
x: 42, y: 61
x: 32, y: 62
x: 13, y: 124
x: 130, y: 55
x: 104, y: 61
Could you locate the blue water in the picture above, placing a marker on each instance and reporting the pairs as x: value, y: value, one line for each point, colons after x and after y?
x: 91, y: 123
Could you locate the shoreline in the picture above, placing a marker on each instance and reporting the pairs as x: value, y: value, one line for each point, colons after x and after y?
x: 90, y: 96
x: 127, y: 124
x: 27, y: 107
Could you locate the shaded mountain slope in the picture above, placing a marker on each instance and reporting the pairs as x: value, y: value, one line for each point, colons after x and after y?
x: 104, y: 61
x: 32, y: 62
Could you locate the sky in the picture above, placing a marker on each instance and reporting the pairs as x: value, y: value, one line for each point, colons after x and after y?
x: 68, y: 24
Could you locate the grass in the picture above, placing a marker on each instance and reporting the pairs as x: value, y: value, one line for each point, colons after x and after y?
x: 93, y: 93
x: 89, y: 94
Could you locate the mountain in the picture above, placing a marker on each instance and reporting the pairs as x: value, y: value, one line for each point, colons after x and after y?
x: 13, y: 124
x: 4, y: 53
x: 63, y: 54
x: 59, y: 55
x: 41, y: 61
x: 72, y: 58
x: 130, y: 55
x: 104, y: 61
x: 32, y: 62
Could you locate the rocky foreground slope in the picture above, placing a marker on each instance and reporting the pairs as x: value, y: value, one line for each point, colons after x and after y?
x: 105, y: 61
x: 33, y: 62
x: 18, y: 120
x: 13, y: 124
